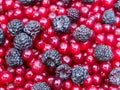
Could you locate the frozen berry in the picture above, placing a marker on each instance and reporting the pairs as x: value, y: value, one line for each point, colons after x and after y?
x: 32, y: 28
x: 114, y: 76
x: 109, y: 17
x: 13, y: 57
x: 40, y: 86
x: 26, y: 2
x: 88, y: 1
x: 1, y: 36
x: 73, y: 14
x: 61, y: 23
x: 15, y: 27
x: 63, y: 71
x: 79, y: 74
x: 102, y: 53
x: 117, y: 5
x: 66, y: 2
x: 22, y: 41
x: 51, y: 57
x: 82, y: 33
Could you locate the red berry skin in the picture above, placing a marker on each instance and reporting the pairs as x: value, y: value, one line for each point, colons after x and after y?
x: 2, y: 52
x: 78, y: 58
x: 105, y: 67
x: 76, y: 87
x: 115, y: 64
x: 96, y: 79
x: 50, y: 80
x: 117, y: 53
x: 91, y: 87
x: 88, y: 81
x: 63, y: 48
x: 20, y: 71
x: 2, y: 61
x: 57, y: 84
x: 74, y: 48
x: 97, y: 28
x: 95, y: 68
x: 28, y: 85
x: 19, y: 81
x: 6, y: 77
x: 111, y: 40
x: 39, y: 78
x: 108, y: 3
x: 67, y: 84
x: 3, y: 19
x: 66, y: 60
x: 37, y: 66
x: 90, y: 60
x: 29, y: 75
x: 8, y: 4
x: 27, y: 55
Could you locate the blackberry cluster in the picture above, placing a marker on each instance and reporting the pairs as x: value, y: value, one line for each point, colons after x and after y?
x: 27, y: 2
x: 114, y: 76
x: 61, y: 23
x: 73, y: 14
x: 79, y: 74
x: 117, y: 5
x: 51, y: 58
x: 102, y: 53
x: 1, y: 36
x: 15, y: 27
x: 63, y: 71
x: 40, y: 86
x: 22, y: 41
x: 32, y: 28
x: 88, y: 1
x: 66, y: 2
x: 109, y: 17
x: 82, y: 33
x: 13, y: 58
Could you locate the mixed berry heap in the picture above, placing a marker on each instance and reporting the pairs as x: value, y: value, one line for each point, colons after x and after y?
x: 59, y: 44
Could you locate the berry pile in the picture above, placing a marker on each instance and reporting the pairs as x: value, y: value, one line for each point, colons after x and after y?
x: 59, y: 44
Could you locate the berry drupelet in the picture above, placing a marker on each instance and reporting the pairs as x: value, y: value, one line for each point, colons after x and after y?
x: 51, y: 58
x: 117, y: 5
x: 79, y: 74
x: 102, y: 53
x: 32, y: 28
x: 114, y: 76
x: 1, y: 36
x: 15, y: 27
x: 13, y: 58
x: 63, y: 71
x: 40, y: 86
x: 73, y: 14
x: 22, y: 41
x: 66, y: 2
x: 27, y: 2
x: 61, y: 23
x: 109, y: 17
x: 82, y: 33
x: 88, y: 1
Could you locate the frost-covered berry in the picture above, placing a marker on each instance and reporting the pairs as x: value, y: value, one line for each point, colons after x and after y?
x: 22, y: 41
x: 27, y: 2
x: 114, y: 76
x: 61, y: 23
x: 109, y: 17
x: 51, y: 58
x: 13, y: 57
x: 1, y: 36
x: 102, y: 53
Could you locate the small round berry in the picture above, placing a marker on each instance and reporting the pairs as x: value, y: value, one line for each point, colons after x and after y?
x: 32, y: 28
x: 79, y: 73
x: 82, y: 33
x: 1, y: 36
x: 15, y: 27
x: 40, y: 86
x: 61, y: 23
x: 26, y: 2
x: 73, y: 14
x: 109, y: 17
x: 114, y: 76
x: 22, y: 41
x: 102, y: 52
x: 63, y: 71
x: 13, y: 57
x: 51, y: 57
